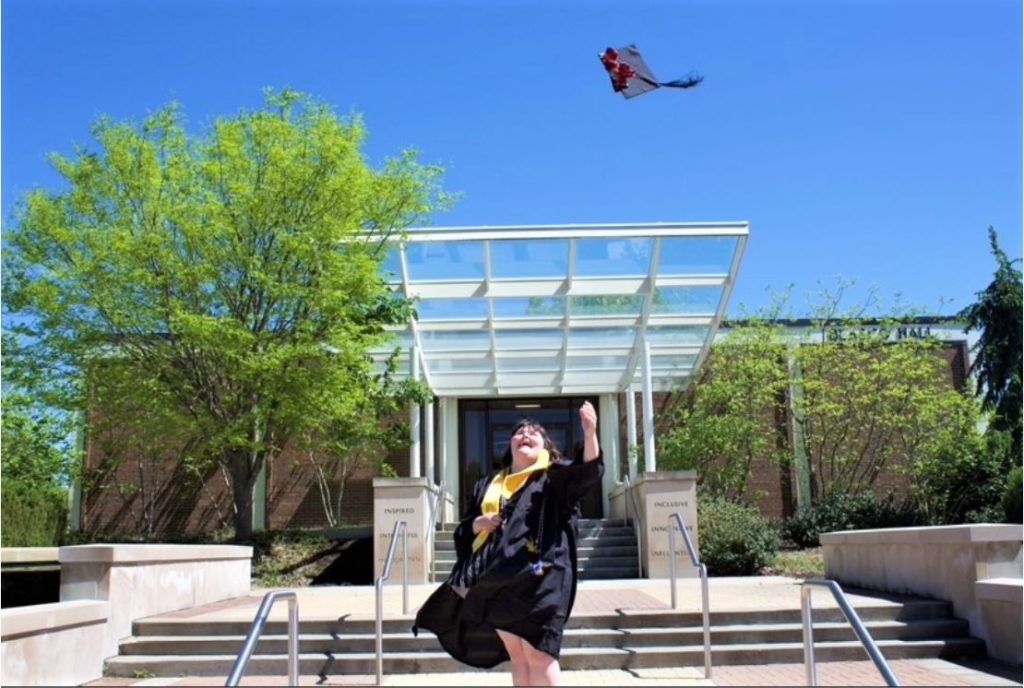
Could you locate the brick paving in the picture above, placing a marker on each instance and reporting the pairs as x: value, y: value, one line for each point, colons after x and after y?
x: 606, y: 600
x: 909, y: 672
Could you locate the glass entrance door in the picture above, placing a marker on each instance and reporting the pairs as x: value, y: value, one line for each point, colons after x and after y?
x: 485, y: 426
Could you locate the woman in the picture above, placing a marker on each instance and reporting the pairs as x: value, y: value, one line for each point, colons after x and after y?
x: 511, y: 591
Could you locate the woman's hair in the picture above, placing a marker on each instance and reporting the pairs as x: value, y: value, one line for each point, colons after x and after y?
x: 553, y: 453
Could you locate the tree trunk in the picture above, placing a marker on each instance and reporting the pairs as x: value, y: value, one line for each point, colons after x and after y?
x: 243, y: 480
x: 784, y: 452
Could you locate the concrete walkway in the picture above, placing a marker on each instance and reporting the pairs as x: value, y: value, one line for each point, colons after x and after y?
x: 726, y: 594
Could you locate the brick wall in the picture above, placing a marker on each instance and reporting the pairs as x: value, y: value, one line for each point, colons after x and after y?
x: 294, y: 498
x: 146, y: 491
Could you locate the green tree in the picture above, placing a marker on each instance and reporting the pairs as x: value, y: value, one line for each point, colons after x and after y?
x: 39, y: 452
x: 38, y: 435
x: 859, y: 401
x: 728, y: 418
x: 232, y: 273
x: 869, y: 403
x: 998, y: 353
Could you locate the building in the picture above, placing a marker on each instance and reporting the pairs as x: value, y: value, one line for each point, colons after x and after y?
x: 511, y: 319
x: 512, y: 322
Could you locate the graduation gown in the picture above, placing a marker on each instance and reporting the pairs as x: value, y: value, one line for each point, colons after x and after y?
x: 508, y: 595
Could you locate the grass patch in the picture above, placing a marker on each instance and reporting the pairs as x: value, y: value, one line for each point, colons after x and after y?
x: 796, y: 563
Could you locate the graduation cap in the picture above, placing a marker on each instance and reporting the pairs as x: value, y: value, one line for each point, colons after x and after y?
x: 631, y: 76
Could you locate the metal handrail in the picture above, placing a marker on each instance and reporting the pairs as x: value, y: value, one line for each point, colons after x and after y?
x: 432, y: 530
x: 678, y: 518
x: 851, y: 615
x: 379, y: 585
x: 258, y: 622
x: 634, y: 509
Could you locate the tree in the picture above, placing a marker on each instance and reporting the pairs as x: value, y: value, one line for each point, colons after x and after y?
x: 38, y: 435
x: 998, y: 353
x: 858, y: 401
x: 234, y: 271
x: 39, y: 451
x: 728, y: 418
x: 869, y: 403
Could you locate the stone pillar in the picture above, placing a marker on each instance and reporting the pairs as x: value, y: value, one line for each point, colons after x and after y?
x: 402, y: 499
x: 617, y: 506
x: 659, y: 495
x: 450, y: 460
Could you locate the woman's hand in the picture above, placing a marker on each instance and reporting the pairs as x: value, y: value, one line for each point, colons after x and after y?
x: 588, y: 419
x: 486, y: 523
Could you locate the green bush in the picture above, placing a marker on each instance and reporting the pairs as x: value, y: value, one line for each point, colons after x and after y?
x: 1012, y: 507
x: 32, y: 515
x: 964, y: 481
x: 838, y: 511
x: 735, y: 539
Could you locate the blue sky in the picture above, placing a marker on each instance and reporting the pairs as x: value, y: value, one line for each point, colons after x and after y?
x: 874, y: 140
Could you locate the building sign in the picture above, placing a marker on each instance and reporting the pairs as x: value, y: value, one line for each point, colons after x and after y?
x: 661, y: 496
x: 894, y: 333
x: 394, y: 500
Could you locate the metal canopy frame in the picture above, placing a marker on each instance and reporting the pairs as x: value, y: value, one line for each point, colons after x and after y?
x: 560, y: 310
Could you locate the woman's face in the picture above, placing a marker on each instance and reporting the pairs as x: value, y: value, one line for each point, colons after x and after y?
x: 526, y: 442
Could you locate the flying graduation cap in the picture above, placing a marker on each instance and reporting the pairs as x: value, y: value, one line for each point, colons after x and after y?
x: 631, y: 76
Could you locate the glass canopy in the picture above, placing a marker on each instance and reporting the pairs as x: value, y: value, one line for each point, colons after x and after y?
x: 559, y: 310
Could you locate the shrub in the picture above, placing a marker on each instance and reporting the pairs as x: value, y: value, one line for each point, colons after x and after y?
x: 735, y: 539
x: 32, y: 515
x: 964, y: 481
x: 839, y: 511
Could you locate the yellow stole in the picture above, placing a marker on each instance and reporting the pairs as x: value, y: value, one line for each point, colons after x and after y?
x: 503, y: 486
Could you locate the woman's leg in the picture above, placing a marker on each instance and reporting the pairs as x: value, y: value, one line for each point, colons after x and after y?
x: 544, y: 669
x: 517, y: 657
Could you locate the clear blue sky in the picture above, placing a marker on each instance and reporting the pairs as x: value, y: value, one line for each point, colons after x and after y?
x: 871, y: 139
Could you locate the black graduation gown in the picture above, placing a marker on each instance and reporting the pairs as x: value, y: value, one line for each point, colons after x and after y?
x: 535, y: 608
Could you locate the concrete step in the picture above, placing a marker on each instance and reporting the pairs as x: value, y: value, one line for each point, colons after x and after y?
x: 574, y: 638
x: 910, y: 610
x: 572, y: 658
x: 340, y: 645
x: 607, y: 550
x: 624, y: 572
x: 581, y: 524
x: 602, y: 531
x: 615, y: 556
x: 616, y: 522
x: 608, y: 572
x: 602, y: 542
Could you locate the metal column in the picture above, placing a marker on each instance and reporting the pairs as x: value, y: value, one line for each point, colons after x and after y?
x: 428, y: 443
x: 631, y: 431
x: 414, y: 417
x: 650, y: 464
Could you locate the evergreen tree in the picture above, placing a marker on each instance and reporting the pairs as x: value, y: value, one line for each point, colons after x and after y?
x: 998, y: 357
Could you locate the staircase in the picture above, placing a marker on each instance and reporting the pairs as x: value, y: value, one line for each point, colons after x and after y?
x: 912, y: 628
x: 607, y: 549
